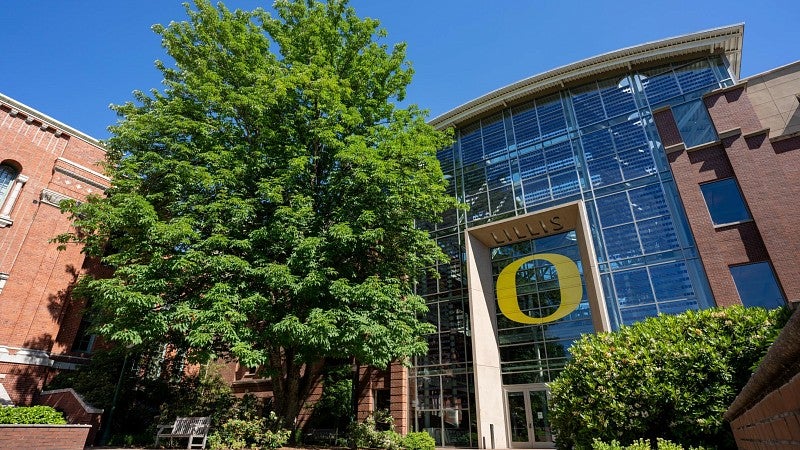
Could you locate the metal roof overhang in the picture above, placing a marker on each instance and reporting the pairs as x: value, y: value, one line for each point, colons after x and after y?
x: 727, y: 40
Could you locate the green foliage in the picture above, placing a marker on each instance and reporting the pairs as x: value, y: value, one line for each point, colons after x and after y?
x: 208, y: 394
x: 263, y: 205
x: 250, y: 433
x: 153, y: 391
x: 419, y: 440
x: 95, y: 381
x: 334, y: 408
x: 25, y: 415
x: 671, y: 377
x: 639, y: 444
x: 368, y: 435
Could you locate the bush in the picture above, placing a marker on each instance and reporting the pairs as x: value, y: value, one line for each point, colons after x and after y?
x: 639, y: 444
x: 26, y: 415
x: 419, y: 440
x: 670, y: 376
x: 260, y: 433
x: 367, y: 435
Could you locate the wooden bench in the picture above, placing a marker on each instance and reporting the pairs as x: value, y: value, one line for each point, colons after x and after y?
x: 194, y: 428
x: 327, y: 436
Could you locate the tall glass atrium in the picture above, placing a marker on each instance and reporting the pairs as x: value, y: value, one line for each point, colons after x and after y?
x: 596, y: 143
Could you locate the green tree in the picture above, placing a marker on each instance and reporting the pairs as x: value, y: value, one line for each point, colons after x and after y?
x: 263, y: 204
x: 669, y: 377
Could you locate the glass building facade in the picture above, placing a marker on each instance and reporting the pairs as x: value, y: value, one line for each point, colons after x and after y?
x: 595, y: 143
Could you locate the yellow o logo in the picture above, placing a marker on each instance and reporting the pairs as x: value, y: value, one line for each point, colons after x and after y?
x: 569, y: 281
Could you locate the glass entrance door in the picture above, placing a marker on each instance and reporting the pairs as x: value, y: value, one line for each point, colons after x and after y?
x: 528, y: 425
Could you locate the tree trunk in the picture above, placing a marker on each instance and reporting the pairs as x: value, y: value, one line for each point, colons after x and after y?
x: 292, y: 383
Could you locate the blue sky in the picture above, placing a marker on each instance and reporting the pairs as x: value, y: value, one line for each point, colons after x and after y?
x: 71, y: 59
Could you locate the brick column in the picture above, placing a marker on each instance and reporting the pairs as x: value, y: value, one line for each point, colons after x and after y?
x: 398, y: 391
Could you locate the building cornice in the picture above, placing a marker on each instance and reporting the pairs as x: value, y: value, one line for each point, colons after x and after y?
x: 47, y: 121
x: 727, y: 40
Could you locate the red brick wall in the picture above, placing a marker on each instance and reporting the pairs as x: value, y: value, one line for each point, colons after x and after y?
x: 36, y: 309
x: 75, y: 410
x: 43, y: 437
x: 766, y: 413
x: 24, y: 381
x: 768, y: 180
x: 774, y: 422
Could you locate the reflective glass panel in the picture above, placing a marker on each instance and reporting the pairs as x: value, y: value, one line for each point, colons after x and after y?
x: 694, y: 124
x: 757, y: 285
x: 724, y: 201
x: 517, y: 417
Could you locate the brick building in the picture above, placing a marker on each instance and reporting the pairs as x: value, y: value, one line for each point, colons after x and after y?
x: 42, y: 162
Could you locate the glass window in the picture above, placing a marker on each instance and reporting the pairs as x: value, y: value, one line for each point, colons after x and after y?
x: 696, y: 76
x: 659, y: 87
x: 694, y: 124
x: 724, y: 201
x: 84, y: 341
x: 617, y: 96
x: 494, y: 136
x: 7, y: 177
x: 757, y: 285
x: 526, y: 126
x: 587, y: 105
x: 471, y: 150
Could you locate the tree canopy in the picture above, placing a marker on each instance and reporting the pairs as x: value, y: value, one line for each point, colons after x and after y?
x: 263, y: 204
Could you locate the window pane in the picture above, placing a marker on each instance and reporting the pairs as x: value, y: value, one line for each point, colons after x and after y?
x: 614, y: 209
x: 659, y: 88
x: 694, y: 124
x: 697, y: 75
x: 526, y: 127
x: 617, y: 97
x: 494, y: 136
x: 587, y: 104
x: 471, y: 150
x: 7, y: 176
x: 633, y: 287
x: 551, y: 116
x: 724, y: 201
x: 757, y: 285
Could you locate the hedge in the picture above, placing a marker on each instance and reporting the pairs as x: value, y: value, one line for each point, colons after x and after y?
x: 669, y: 377
x: 26, y: 415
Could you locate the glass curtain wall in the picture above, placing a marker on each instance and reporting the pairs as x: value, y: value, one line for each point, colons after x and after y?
x: 597, y: 143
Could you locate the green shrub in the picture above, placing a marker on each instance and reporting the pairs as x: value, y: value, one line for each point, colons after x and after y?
x: 419, y: 440
x: 639, y: 444
x: 259, y: 433
x: 367, y: 434
x: 26, y: 415
x: 670, y: 376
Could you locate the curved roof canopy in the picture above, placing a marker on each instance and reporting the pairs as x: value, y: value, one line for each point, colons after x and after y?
x: 727, y: 40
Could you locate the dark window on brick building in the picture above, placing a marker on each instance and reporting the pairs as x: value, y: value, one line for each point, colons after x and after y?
x: 757, y: 285
x: 382, y: 401
x: 84, y: 341
x: 725, y: 202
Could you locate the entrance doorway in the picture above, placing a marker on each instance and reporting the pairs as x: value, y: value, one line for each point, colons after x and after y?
x: 527, y: 418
